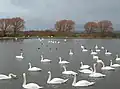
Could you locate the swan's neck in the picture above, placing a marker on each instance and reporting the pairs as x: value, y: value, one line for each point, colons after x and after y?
x: 60, y: 59
x: 94, y: 69
x: 116, y: 56
x: 30, y: 65
x: 111, y: 63
x: 103, y: 64
x: 64, y: 68
x: 41, y: 57
x: 10, y: 75
x: 21, y: 55
x: 81, y: 63
x: 24, y: 81
x: 74, y: 81
x: 49, y: 78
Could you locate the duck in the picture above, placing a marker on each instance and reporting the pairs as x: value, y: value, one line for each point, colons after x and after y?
x: 114, y: 65
x: 86, y: 71
x: 105, y: 67
x: 107, y: 53
x: 62, y: 62
x: 44, y: 60
x: 117, y: 58
x: 70, y: 52
x: 4, y: 77
x: 55, y: 80
x: 81, y: 83
x: 33, y: 68
x: 68, y: 72
x: 83, y: 66
x: 95, y: 74
x: 30, y: 85
x: 21, y: 56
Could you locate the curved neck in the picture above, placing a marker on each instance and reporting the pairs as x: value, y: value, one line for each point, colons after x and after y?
x: 103, y: 63
x: 49, y: 78
x: 74, y: 81
x: 64, y: 68
x: 24, y: 81
x: 10, y: 75
x: 106, y: 51
x: 30, y: 65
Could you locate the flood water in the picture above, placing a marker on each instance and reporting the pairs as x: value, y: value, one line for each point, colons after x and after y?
x: 31, y: 53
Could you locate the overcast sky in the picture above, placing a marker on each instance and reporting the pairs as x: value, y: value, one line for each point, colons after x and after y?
x: 44, y: 13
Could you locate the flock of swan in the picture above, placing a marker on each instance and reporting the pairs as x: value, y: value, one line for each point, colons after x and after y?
x: 84, y: 68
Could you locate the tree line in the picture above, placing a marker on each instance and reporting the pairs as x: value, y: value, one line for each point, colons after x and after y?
x: 90, y: 27
x: 11, y: 25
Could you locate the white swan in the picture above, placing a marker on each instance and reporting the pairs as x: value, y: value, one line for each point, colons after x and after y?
x: 93, y: 53
x: 107, y: 53
x: 62, y: 62
x: 81, y: 83
x: 114, y: 65
x: 95, y: 74
x: 30, y: 85
x: 105, y: 67
x: 33, y: 68
x: 117, y: 58
x: 55, y: 80
x: 68, y: 72
x: 21, y: 56
x: 3, y: 77
x: 86, y: 71
x: 70, y: 52
x: 83, y: 66
x: 84, y: 50
x: 44, y: 60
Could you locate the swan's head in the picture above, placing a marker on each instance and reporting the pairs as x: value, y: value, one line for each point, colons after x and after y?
x: 110, y: 60
x: 23, y: 74
x: 49, y: 72
x: 94, y: 64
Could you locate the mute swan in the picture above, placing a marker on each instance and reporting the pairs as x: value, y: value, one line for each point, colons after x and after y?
x: 93, y: 53
x: 55, y: 80
x: 107, y: 53
x: 63, y: 62
x: 117, y: 58
x: 70, y: 52
x: 21, y: 56
x: 96, y: 75
x: 30, y: 85
x: 84, y: 50
x: 86, y: 71
x: 114, y: 65
x: 33, y: 68
x: 105, y: 67
x: 3, y: 77
x: 44, y: 60
x: 68, y: 72
x: 83, y: 66
x: 81, y: 83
